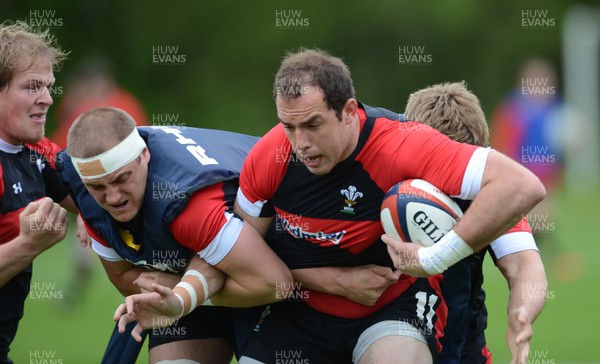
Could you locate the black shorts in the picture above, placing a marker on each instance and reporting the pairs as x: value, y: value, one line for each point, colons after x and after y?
x: 476, y: 352
x: 12, y: 302
x: 291, y: 331
x: 205, y: 322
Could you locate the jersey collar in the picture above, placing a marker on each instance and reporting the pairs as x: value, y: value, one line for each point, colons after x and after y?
x: 10, y: 148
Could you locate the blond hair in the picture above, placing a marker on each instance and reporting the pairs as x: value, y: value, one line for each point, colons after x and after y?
x: 451, y: 109
x: 20, y: 46
x: 98, y: 130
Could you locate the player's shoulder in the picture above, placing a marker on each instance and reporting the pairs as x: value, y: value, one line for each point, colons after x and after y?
x: 46, y: 148
x: 273, y: 146
x: 376, y: 112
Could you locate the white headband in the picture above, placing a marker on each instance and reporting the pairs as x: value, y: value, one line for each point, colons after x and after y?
x: 111, y: 160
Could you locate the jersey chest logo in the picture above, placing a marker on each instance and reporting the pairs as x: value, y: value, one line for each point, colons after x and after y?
x: 17, y: 188
x: 40, y: 164
x: 351, y: 194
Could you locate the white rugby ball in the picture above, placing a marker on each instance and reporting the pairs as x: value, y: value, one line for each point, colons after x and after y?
x: 414, y: 210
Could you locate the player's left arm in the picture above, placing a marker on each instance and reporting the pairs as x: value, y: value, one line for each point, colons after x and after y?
x: 254, y: 273
x: 524, y: 272
x: 503, y: 194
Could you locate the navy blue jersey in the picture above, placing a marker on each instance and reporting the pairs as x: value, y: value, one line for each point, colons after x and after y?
x: 184, y: 159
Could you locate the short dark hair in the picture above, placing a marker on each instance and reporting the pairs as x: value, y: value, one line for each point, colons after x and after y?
x: 314, y: 67
x: 98, y: 130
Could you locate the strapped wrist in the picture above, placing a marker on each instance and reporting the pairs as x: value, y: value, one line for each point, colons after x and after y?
x: 445, y: 253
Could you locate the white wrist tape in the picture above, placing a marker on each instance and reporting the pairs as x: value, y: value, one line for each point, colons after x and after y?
x: 182, y: 305
x: 192, y: 292
x: 440, y: 256
x: 202, y: 279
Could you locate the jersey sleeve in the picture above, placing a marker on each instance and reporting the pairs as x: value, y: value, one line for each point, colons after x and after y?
x: 517, y: 239
x: 206, y: 226
x: 263, y: 169
x: 456, y: 168
x: 101, y: 247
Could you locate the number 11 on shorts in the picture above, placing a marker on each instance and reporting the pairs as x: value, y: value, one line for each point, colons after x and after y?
x: 422, y: 303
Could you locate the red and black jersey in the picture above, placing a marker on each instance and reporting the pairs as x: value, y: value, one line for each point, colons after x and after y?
x: 333, y: 219
x: 27, y: 173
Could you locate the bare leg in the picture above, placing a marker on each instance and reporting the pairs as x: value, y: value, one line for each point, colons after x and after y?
x: 205, y: 351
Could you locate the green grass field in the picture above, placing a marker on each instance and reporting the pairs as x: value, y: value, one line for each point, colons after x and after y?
x: 564, y: 333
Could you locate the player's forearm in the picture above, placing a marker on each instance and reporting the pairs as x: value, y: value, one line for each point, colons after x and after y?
x: 122, y: 275
x: 524, y: 272
x: 508, y: 192
x: 234, y: 294
x: 14, y: 257
x: 124, y: 282
x: 322, y: 279
x: 528, y: 286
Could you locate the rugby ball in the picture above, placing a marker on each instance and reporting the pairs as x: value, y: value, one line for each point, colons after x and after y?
x: 414, y: 210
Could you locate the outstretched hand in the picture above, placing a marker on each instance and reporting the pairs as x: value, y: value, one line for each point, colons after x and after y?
x: 519, y: 334
x: 159, y: 308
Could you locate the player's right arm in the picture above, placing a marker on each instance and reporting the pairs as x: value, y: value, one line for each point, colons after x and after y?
x: 42, y: 224
x: 159, y: 305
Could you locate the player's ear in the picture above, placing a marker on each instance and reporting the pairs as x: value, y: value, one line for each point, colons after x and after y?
x: 349, y: 110
x: 145, y: 155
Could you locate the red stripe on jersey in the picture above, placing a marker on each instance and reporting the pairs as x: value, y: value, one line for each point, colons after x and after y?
x: 10, y: 225
x: 270, y: 154
x: 522, y: 226
x: 202, y: 219
x: 343, y: 307
x: 46, y: 148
